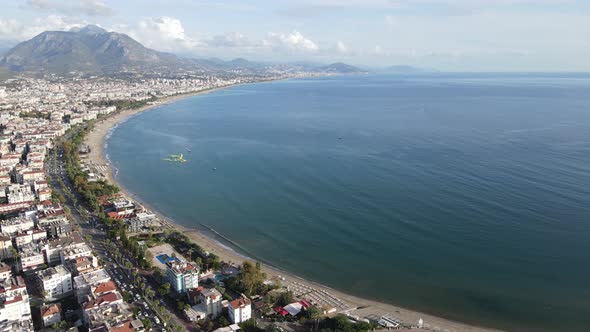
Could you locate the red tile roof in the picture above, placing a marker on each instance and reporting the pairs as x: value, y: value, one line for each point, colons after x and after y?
x: 51, y: 310
x: 240, y: 303
x: 105, y: 287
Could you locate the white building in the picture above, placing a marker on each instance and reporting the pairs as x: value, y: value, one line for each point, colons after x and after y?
x: 14, y: 301
x: 75, y: 251
x: 182, y: 275
x: 19, y: 193
x: 15, y: 225
x: 240, y: 310
x: 30, y: 256
x: 208, y: 303
x: 55, y: 281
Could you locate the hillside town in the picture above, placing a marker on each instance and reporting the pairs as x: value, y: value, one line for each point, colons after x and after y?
x: 78, y: 255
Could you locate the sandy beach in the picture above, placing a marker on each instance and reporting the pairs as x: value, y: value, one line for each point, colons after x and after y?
x: 96, y: 140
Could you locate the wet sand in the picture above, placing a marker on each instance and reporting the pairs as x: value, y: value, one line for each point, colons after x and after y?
x: 96, y: 140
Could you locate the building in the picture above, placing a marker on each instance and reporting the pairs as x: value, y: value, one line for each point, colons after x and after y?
x: 182, y: 275
x: 207, y: 302
x: 111, y: 314
x: 51, y: 314
x: 81, y: 265
x: 75, y: 251
x: 14, y: 304
x: 29, y: 236
x: 240, y: 310
x: 15, y: 225
x: 5, y: 247
x: 55, y: 281
x: 5, y: 272
x: 30, y: 257
x: 19, y: 193
x: 53, y: 249
x: 84, y: 283
x: 142, y: 222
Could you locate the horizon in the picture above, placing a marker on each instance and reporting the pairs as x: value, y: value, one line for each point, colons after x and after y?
x: 445, y: 35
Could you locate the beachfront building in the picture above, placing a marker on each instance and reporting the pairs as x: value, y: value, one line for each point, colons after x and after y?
x: 55, y: 281
x: 240, y: 309
x: 182, y: 275
x: 207, y: 303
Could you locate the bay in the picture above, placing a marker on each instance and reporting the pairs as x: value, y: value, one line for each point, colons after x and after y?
x: 461, y: 195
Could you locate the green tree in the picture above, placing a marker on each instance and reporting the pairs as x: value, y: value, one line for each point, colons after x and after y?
x: 313, y: 315
x: 60, y: 326
x: 249, y: 325
x: 147, y: 324
x: 284, y: 298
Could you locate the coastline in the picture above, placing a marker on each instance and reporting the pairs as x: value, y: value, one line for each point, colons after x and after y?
x: 96, y: 139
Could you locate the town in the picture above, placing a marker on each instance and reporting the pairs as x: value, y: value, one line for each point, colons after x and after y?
x: 78, y: 255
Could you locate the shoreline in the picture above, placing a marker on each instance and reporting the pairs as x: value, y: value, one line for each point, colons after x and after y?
x: 96, y: 140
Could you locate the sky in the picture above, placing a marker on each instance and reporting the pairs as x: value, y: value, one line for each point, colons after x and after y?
x: 449, y: 35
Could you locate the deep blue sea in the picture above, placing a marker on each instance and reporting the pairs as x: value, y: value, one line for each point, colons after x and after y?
x: 465, y: 196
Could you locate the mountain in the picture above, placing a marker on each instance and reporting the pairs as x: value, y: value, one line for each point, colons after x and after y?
x: 89, y: 49
x: 5, y: 46
x: 340, y: 68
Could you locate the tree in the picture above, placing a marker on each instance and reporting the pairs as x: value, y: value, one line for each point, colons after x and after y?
x: 249, y: 325
x: 284, y: 298
x: 180, y: 305
x: 149, y: 293
x: 222, y: 321
x: 164, y: 289
x: 147, y: 324
x: 250, y: 280
x: 314, y: 314
x: 126, y: 296
x: 60, y: 326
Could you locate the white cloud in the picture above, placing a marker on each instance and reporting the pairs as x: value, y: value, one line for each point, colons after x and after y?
x: 293, y: 42
x: 84, y: 7
x: 341, y: 48
x: 162, y: 33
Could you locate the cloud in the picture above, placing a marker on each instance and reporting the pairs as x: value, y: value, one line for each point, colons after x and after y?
x: 232, y: 39
x: 163, y: 33
x: 84, y: 7
x: 293, y: 42
x: 12, y: 29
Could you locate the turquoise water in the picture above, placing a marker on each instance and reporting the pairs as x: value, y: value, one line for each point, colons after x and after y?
x: 465, y: 196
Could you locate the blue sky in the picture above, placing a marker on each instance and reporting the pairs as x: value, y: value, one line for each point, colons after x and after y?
x: 458, y: 35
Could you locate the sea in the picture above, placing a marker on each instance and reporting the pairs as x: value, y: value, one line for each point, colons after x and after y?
x: 464, y: 195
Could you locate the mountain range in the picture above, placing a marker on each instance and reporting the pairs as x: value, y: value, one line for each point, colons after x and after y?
x: 92, y: 49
